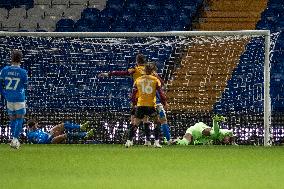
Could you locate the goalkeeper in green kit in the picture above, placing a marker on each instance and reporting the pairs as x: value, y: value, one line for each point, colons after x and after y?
x: 200, y: 133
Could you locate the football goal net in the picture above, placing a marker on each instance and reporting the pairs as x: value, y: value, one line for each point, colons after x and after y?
x: 205, y: 73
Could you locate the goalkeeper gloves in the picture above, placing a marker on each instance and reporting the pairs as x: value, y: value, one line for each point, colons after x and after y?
x: 219, y: 118
x: 182, y: 142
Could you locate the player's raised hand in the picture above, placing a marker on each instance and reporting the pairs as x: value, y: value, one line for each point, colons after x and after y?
x: 219, y: 118
x: 103, y: 74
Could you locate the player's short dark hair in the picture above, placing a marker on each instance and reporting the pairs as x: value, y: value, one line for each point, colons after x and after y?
x: 16, y: 56
x: 31, y: 123
x: 140, y: 59
x: 150, y: 68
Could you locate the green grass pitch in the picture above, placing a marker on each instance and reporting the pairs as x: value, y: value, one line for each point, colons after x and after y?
x: 113, y: 166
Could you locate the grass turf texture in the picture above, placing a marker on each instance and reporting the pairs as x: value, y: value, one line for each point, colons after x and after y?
x: 113, y: 166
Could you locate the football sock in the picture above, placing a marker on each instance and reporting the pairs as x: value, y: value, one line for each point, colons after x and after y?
x: 90, y: 133
x: 18, y: 127
x: 132, y: 131
x: 13, y: 124
x: 166, y: 131
x: 157, y: 133
x: 147, y: 130
x: 71, y: 126
x: 84, y: 126
x: 76, y: 135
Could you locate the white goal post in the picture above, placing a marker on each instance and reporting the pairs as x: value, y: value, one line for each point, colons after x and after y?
x: 265, y: 33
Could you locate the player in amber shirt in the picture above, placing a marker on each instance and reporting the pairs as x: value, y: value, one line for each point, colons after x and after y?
x: 144, y: 96
x: 135, y: 72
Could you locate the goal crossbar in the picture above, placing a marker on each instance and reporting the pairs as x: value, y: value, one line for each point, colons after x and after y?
x: 138, y: 34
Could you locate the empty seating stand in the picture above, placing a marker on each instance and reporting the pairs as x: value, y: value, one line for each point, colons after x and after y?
x: 272, y: 16
x: 35, y: 15
x: 133, y: 15
x: 242, y: 90
x: 139, y: 15
x: 10, y: 4
x: 65, y: 25
x: 230, y: 15
x: 201, y: 90
x: 272, y: 19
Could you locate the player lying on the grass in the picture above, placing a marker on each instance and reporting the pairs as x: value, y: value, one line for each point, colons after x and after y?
x: 135, y: 73
x: 200, y: 133
x: 144, y: 97
x: 57, y: 134
x: 14, y: 81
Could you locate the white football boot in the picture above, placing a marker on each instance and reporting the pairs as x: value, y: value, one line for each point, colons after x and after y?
x: 157, y: 144
x: 147, y: 143
x: 15, y: 143
x: 128, y: 143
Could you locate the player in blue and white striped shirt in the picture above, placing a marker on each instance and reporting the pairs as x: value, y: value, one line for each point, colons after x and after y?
x: 14, y: 80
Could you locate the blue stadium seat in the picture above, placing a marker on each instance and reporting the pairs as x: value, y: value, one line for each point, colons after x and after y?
x: 91, y: 14
x: 264, y: 25
x: 102, y: 25
x: 152, y: 4
x: 121, y: 25
x: 275, y: 4
x: 134, y: 4
x: 83, y: 25
x: 110, y: 14
x: 171, y: 8
x: 9, y: 4
x: 279, y: 21
x: 129, y: 13
x: 115, y: 4
x: 121, y: 2
x: 65, y: 25
x: 280, y: 47
x: 245, y: 82
x: 270, y: 15
x: 194, y: 3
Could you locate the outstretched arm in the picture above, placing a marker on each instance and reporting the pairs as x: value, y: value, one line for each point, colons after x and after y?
x: 216, y: 126
x: 120, y: 73
x: 117, y: 73
x: 216, y: 120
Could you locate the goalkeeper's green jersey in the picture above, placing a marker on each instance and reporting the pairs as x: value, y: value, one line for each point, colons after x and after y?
x: 215, y: 134
x: 196, y: 132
